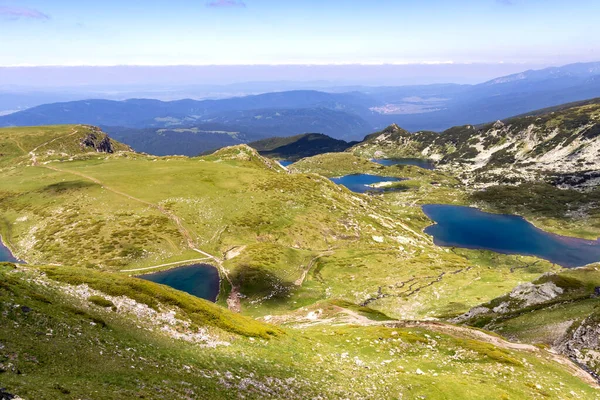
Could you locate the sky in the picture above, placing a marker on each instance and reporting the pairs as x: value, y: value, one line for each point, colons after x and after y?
x: 242, y: 32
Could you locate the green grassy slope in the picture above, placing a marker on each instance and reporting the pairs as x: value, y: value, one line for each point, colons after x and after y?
x: 330, y: 268
x: 56, y: 344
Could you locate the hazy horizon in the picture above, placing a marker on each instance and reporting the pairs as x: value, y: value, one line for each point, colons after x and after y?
x: 219, y: 75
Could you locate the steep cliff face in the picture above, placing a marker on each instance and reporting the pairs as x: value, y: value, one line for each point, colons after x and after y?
x: 563, y: 142
x: 582, y: 343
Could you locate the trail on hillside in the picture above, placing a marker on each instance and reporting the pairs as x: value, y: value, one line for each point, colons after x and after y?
x: 345, y: 316
x: 312, y: 262
x: 500, y: 342
x: 233, y: 301
x: 165, y: 265
x: 32, y: 154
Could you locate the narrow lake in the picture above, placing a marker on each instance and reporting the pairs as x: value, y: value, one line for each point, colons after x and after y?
x: 200, y: 280
x: 5, y: 254
x: 471, y: 228
x: 388, y: 162
x: 361, y: 183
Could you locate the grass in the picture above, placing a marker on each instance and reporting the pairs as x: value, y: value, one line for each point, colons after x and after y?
x: 199, y: 311
x: 97, y: 214
x: 54, y: 351
x: 101, y: 301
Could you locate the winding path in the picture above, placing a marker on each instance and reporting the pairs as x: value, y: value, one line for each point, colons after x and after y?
x: 165, y: 265
x: 233, y: 301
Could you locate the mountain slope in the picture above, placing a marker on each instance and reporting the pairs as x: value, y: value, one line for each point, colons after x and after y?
x: 566, y: 141
x: 317, y: 272
x: 61, y: 339
x: 296, y: 147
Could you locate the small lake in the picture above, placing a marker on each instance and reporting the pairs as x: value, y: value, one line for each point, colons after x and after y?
x: 5, y: 254
x: 285, y: 163
x: 471, y: 228
x: 200, y: 280
x: 360, y: 183
x: 388, y: 162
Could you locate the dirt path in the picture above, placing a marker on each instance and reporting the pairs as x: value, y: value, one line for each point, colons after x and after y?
x: 174, y: 218
x: 32, y: 154
x: 312, y: 262
x: 344, y: 316
x: 233, y: 301
x: 574, y: 369
x: 165, y: 265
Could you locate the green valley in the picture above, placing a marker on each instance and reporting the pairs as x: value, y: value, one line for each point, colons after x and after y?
x: 324, y: 293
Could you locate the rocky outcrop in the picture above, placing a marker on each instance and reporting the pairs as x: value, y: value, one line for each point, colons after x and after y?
x: 525, y: 295
x: 561, y: 143
x: 98, y: 141
x: 530, y: 294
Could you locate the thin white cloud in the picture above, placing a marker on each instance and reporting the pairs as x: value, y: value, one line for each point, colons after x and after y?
x: 15, y: 13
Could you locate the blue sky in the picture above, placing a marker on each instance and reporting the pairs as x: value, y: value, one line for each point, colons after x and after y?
x: 158, y: 32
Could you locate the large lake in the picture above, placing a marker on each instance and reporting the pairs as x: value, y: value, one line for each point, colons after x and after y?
x: 285, y: 163
x: 5, y: 254
x: 361, y: 183
x: 471, y: 228
x: 388, y: 162
x: 200, y: 280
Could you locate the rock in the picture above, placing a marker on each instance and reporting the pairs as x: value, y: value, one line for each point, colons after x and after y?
x: 503, y: 308
x: 4, y: 395
x: 101, y: 145
x: 532, y: 294
x: 583, y: 344
x: 499, y: 124
x: 473, y: 312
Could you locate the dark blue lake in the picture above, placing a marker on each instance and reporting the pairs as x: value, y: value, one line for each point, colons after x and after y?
x: 471, y: 228
x: 285, y: 163
x: 388, y: 162
x: 359, y: 183
x: 201, y: 280
x: 5, y: 254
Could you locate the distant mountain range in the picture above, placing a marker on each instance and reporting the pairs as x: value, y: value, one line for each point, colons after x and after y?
x: 193, y: 126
